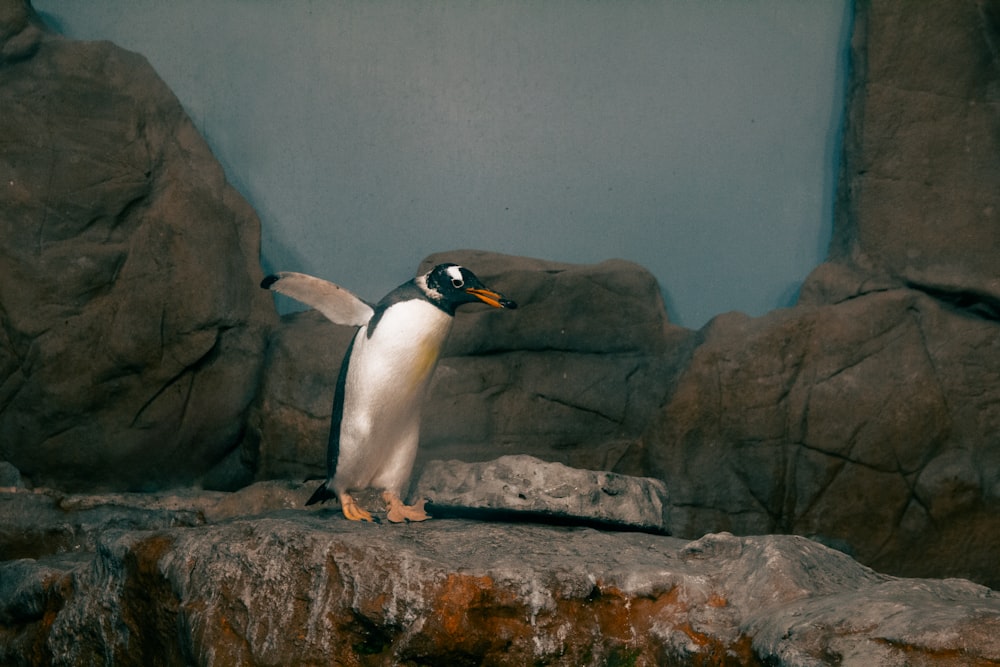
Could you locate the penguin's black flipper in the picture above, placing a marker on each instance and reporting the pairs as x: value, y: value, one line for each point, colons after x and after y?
x: 336, y: 303
x: 321, y: 495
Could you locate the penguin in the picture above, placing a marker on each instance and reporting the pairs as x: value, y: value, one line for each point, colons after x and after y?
x: 375, y: 424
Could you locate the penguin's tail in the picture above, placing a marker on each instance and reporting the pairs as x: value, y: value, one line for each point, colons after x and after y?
x: 321, y: 495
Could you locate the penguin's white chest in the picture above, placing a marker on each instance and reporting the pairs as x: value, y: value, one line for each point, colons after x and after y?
x: 387, y: 376
x: 399, y: 356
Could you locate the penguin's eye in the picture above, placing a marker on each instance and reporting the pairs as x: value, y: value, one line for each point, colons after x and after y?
x: 457, y: 283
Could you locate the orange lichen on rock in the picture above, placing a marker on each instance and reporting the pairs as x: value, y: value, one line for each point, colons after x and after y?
x: 458, y: 595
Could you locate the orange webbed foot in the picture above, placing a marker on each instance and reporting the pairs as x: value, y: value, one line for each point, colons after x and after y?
x: 400, y: 511
x: 351, y: 510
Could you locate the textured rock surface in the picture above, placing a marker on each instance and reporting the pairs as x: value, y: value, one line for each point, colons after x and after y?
x: 918, y: 199
x: 871, y: 424
x: 131, y: 328
x: 290, y: 422
x: 307, y: 587
x: 48, y: 522
x: 571, y: 376
x: 524, y: 485
x: 10, y: 477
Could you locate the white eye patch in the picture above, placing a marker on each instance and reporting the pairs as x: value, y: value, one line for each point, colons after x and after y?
x: 455, y: 273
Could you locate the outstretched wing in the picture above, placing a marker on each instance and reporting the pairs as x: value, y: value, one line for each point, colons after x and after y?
x: 335, y: 302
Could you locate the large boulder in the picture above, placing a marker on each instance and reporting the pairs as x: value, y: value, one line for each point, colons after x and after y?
x: 871, y: 424
x: 131, y: 326
x: 573, y: 375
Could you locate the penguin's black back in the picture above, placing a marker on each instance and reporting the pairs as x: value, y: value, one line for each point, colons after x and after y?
x: 337, y: 413
x: 323, y: 493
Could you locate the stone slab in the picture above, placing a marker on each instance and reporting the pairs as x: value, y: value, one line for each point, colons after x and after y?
x: 528, y: 487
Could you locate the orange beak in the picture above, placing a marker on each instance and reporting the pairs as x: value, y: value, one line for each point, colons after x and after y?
x: 491, y: 298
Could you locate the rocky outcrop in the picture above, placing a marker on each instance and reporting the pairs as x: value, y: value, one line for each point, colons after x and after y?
x: 308, y: 587
x: 531, y: 489
x: 870, y: 424
x: 918, y: 202
x: 131, y: 327
x: 572, y: 375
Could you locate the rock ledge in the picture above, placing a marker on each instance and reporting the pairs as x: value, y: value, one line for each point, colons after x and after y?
x: 518, y: 484
x: 291, y: 586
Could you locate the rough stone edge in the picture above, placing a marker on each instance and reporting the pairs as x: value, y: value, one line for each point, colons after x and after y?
x: 525, y: 487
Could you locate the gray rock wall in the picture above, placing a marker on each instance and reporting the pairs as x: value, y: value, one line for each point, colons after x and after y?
x: 918, y: 196
x: 131, y: 330
x: 870, y: 424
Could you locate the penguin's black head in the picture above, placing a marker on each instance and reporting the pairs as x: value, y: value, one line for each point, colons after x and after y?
x: 451, y: 285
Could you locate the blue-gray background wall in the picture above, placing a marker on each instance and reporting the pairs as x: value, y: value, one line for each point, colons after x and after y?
x: 699, y: 139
